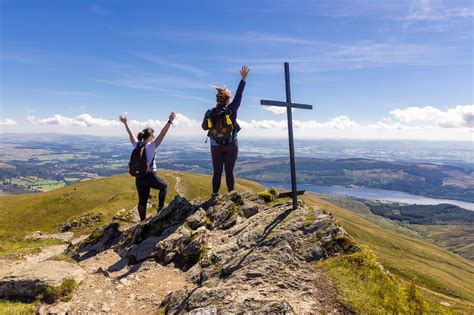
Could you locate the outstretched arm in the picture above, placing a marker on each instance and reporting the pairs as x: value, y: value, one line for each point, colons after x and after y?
x: 234, y: 106
x: 165, y: 129
x: 124, y: 120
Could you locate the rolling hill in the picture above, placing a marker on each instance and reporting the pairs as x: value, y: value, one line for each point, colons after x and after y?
x: 443, y: 275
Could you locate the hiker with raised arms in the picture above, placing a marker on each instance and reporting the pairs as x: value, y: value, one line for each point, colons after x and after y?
x: 142, y: 164
x: 221, y: 124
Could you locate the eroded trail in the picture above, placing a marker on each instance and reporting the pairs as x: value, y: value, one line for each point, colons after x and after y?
x: 179, y: 187
x: 136, y: 289
x: 10, y: 264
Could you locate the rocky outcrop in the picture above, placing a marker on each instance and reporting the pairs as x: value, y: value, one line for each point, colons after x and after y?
x: 46, y: 280
x: 78, y: 223
x: 241, y: 253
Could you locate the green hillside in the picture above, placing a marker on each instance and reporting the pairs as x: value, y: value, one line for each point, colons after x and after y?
x: 45, y: 212
x: 446, y: 276
x: 405, y: 255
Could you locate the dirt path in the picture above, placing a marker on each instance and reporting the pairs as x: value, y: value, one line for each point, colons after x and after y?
x: 178, y: 187
x: 10, y: 264
x: 129, y: 290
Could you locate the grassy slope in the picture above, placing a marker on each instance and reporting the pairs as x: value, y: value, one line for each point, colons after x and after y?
x: 401, y: 253
x: 456, y: 238
x: 407, y: 256
x: 21, y: 214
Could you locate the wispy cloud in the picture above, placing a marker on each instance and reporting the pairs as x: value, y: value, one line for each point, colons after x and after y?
x: 167, y: 63
x: 7, y: 122
x: 66, y: 93
x: 435, y: 16
x: 360, y: 55
x: 426, y: 10
x: 216, y: 37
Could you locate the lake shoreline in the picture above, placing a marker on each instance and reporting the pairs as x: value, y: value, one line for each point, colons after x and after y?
x: 373, y: 194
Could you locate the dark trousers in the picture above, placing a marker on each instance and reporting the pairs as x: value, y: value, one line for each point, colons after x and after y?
x: 144, y: 184
x: 224, y: 155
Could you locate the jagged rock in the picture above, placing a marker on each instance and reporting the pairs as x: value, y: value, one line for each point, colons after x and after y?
x: 127, y: 215
x: 242, y: 254
x: 40, y: 279
x: 101, y: 239
x: 223, y: 215
x: 260, y: 263
x: 197, y: 219
x: 249, y: 209
x: 81, y: 222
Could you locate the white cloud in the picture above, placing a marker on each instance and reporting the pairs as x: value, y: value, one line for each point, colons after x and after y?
x: 457, y: 117
x: 7, y: 122
x: 86, y: 120
x: 263, y: 124
x: 277, y: 110
x: 83, y: 120
x: 340, y: 122
x: 380, y: 125
x: 427, y: 123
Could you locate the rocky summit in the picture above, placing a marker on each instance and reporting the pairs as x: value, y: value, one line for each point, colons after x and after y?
x: 240, y: 252
x: 237, y: 253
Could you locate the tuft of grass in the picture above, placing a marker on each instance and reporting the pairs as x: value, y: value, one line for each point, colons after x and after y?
x: 22, y: 247
x: 308, y: 219
x: 161, y: 310
x: 266, y: 196
x: 63, y: 292
x: 13, y: 307
x: 187, y: 227
x: 203, y: 252
x: 208, y: 223
x: 234, y: 210
x: 62, y: 257
x: 366, y: 288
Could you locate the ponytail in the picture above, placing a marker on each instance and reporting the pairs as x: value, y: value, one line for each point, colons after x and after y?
x: 145, y: 134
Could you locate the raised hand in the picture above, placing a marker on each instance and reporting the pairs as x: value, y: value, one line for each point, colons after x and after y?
x: 123, y: 119
x: 172, y: 116
x: 244, y: 72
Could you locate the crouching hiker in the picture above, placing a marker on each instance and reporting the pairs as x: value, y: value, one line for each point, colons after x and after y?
x: 142, y: 164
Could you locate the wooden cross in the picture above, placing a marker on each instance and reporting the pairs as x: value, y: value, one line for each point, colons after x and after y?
x: 289, y: 105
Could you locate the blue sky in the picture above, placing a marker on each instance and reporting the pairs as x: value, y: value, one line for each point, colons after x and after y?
x: 393, y: 69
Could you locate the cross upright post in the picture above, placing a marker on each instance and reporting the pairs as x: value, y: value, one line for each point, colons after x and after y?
x: 289, y: 105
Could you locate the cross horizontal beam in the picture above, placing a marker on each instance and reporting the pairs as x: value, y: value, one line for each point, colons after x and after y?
x: 285, y: 104
x: 290, y: 193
